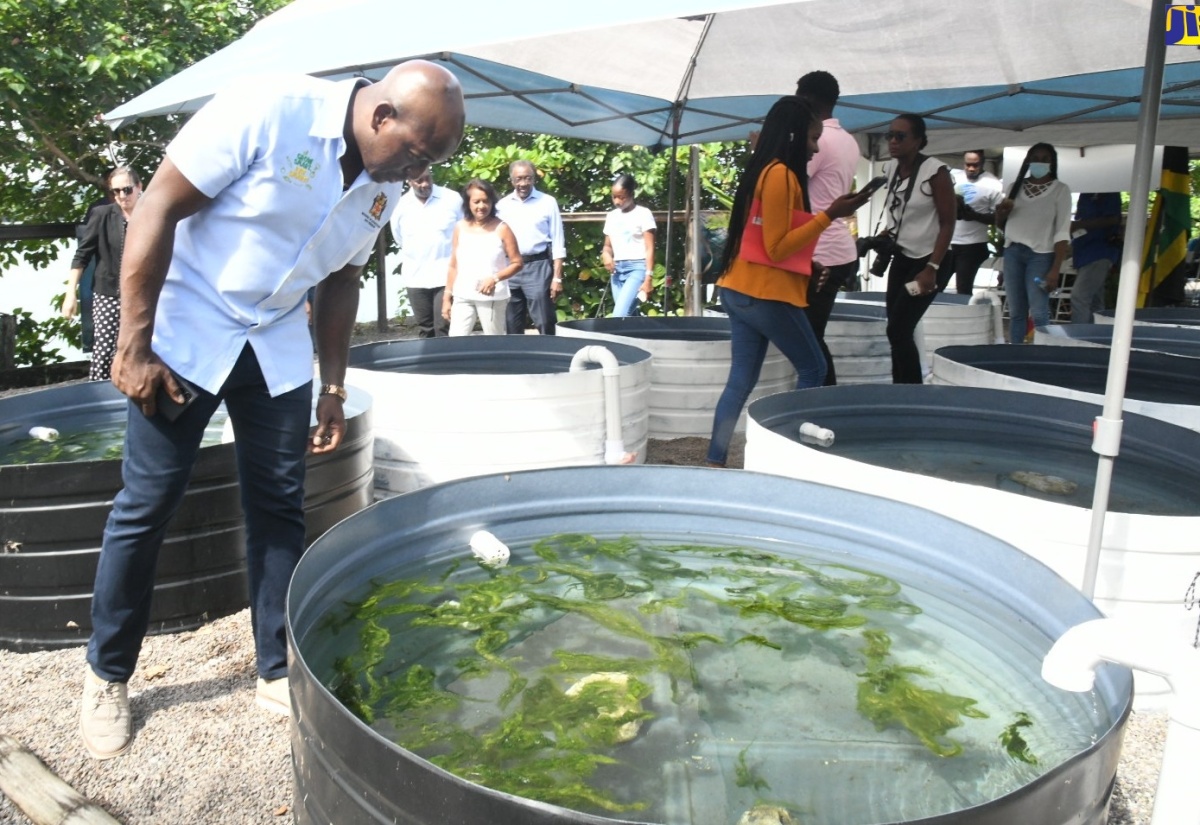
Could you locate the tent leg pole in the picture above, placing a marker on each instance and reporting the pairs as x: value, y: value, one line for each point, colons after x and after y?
x: 1107, y: 439
x: 696, y: 295
x: 670, y: 223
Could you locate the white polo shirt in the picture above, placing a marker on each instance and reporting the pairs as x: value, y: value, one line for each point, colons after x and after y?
x: 536, y: 223
x: 425, y: 232
x: 278, y: 224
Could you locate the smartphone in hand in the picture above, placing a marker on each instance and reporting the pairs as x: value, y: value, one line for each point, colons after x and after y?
x: 168, y: 406
x: 873, y: 184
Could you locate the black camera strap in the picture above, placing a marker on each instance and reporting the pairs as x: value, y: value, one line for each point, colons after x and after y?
x: 918, y: 162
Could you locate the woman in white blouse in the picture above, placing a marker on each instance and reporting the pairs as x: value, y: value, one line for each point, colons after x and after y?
x: 484, y: 256
x: 1036, y: 219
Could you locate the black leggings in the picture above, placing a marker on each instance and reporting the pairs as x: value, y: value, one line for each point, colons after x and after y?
x: 820, y: 306
x: 904, y: 313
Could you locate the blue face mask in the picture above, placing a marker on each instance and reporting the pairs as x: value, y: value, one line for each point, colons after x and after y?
x: 1039, y: 170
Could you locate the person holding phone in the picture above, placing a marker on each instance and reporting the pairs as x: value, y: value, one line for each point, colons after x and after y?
x: 919, y: 218
x: 830, y: 174
x: 267, y: 191
x: 765, y: 303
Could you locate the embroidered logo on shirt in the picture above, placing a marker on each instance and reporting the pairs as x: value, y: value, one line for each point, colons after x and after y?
x: 378, y: 205
x: 303, y: 170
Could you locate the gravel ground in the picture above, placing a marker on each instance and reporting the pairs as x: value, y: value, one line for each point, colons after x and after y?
x: 205, y: 753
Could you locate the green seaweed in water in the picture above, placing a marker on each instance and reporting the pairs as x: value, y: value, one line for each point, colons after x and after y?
x: 1014, y: 743
x: 745, y: 776
x: 86, y: 446
x: 889, y: 696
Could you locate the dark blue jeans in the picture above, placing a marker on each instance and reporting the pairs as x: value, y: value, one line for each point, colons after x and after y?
x: 271, y: 439
x: 753, y: 324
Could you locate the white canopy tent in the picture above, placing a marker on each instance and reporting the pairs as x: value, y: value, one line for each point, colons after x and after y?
x: 982, y: 72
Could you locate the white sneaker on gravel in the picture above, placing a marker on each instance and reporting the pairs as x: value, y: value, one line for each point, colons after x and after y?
x: 272, y: 695
x: 104, y: 721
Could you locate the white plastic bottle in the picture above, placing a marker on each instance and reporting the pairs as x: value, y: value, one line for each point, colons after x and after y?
x: 489, y: 549
x: 43, y: 433
x: 816, y: 434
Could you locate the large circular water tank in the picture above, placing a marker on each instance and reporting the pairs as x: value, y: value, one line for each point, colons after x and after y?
x: 689, y: 370
x: 1157, y: 385
x: 857, y: 339
x: 1153, y: 337
x: 1167, y: 316
x: 951, y: 320
x: 1018, y: 466
x: 449, y: 408
x: 52, y: 515
x: 1008, y: 608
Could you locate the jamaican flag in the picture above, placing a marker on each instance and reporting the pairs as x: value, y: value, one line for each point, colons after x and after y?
x: 1167, y: 234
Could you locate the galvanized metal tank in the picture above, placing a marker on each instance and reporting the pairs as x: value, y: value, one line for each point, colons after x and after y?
x: 449, y: 408
x: 857, y: 339
x: 52, y: 518
x: 951, y: 320
x: 1158, y: 385
x: 1153, y: 337
x: 1149, y: 553
x: 347, y: 772
x: 689, y: 368
x: 1165, y: 316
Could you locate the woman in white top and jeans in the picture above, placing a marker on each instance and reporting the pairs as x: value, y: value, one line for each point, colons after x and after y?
x: 920, y: 218
x: 1036, y: 219
x: 484, y: 255
x: 628, y: 252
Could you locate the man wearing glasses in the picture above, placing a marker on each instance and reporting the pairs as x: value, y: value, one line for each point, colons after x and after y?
x: 102, y: 242
x: 534, y: 218
x: 266, y: 192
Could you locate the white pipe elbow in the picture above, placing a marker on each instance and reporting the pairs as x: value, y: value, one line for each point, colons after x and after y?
x: 614, y: 445
x: 1072, y: 661
x: 595, y: 355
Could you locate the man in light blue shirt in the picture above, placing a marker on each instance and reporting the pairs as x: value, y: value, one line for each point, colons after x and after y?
x: 534, y: 218
x: 423, y: 226
x: 266, y: 192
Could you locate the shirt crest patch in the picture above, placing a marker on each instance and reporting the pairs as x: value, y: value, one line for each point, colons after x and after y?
x: 303, y: 170
x: 378, y: 205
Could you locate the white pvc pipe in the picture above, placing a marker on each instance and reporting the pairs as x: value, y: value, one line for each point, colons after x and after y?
x: 992, y: 297
x: 1071, y: 665
x: 614, y: 444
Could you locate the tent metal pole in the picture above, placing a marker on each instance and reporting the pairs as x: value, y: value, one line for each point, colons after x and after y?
x: 671, y: 171
x: 1107, y: 439
x: 696, y: 295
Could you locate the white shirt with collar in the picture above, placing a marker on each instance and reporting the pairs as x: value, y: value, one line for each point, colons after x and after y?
x: 278, y: 224
x: 536, y: 223
x: 425, y: 231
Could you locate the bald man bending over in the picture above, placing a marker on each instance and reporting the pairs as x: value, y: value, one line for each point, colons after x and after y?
x: 265, y: 193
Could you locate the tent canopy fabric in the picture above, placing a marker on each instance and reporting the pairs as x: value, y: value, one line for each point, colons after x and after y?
x: 648, y: 73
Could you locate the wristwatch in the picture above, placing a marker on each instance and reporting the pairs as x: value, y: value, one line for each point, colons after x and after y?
x: 333, y: 389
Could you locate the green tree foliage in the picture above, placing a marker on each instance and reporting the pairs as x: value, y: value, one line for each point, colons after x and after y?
x: 65, y: 62
x: 579, y: 175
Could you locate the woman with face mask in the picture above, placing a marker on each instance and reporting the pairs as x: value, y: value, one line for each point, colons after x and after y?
x: 1036, y: 219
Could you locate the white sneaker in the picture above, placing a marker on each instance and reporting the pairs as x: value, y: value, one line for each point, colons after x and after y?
x: 272, y: 695
x: 104, y: 721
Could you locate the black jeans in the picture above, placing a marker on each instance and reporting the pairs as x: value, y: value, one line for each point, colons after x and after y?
x: 965, y: 260
x: 820, y: 306
x: 426, y: 304
x: 903, y: 314
x: 530, y: 298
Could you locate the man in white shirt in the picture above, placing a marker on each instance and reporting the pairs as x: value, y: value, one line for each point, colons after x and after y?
x: 423, y: 226
x: 979, y: 192
x: 266, y: 192
x: 534, y: 218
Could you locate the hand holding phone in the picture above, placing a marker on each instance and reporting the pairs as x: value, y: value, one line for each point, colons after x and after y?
x: 167, y: 405
x: 873, y: 185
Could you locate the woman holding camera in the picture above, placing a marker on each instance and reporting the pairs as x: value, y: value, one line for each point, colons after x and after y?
x: 765, y: 302
x: 919, y: 215
x: 1036, y: 219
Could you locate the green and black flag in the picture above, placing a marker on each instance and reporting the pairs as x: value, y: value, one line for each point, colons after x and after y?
x: 1167, y: 235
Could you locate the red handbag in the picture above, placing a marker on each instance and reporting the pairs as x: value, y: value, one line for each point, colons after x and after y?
x: 755, y: 251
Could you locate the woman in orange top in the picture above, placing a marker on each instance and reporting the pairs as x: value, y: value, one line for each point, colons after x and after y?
x: 765, y: 304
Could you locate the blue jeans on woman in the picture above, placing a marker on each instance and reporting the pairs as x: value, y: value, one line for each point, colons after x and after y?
x: 753, y: 324
x: 1021, y: 266
x: 627, y: 279
x: 271, y: 437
